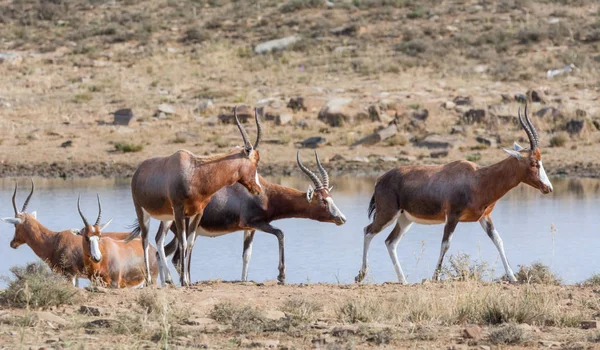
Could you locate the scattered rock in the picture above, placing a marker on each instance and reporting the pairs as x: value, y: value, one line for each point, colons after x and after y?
x: 283, y: 119
x: 359, y: 159
x: 209, y: 121
x: 166, y: 108
x: 534, y: 96
x: 407, y: 158
x: 204, y: 105
x: 66, y: 144
x: 377, y: 136
x: 473, y: 332
x: 421, y: 115
x: 484, y: 347
x: 347, y: 30
x: 10, y: 58
x: 593, y: 324
x: 337, y: 158
x: 550, y: 343
x: 312, y: 142
x: 122, y: 116
x: 244, y: 113
x: 375, y: 113
x: 48, y: 318
x: 548, y: 112
x: 463, y: 101
x: 101, y: 323
x: 297, y: 104
x: 488, y: 141
x: 575, y: 127
x: 580, y: 113
x: 345, y: 330
x: 276, y: 45
x: 520, y: 98
x: 474, y: 116
x: 439, y: 154
x: 91, y: 310
x: 274, y: 315
x: 457, y: 130
x: 340, y: 111
x: 449, y: 105
x: 199, y: 321
x: 436, y: 141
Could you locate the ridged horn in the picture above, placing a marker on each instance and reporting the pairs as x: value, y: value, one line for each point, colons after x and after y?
x: 99, y: 211
x: 324, y: 175
x: 258, y: 129
x: 80, y: 213
x: 310, y: 174
x: 247, y: 144
x: 14, y: 200
x: 28, y: 197
x: 527, y: 131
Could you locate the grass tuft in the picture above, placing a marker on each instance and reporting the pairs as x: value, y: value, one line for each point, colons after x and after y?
x: 461, y: 268
x: 537, y: 273
x: 128, y: 147
x: 593, y: 281
x: 36, y: 286
x: 510, y: 334
x: 244, y: 319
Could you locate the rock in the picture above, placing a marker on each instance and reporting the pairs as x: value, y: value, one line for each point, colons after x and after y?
x: 123, y: 116
x: 359, y: 159
x: 276, y: 45
x: 345, y: 330
x: 436, y: 141
x: 439, y: 154
x: 340, y: 111
x: 92, y: 310
x: 377, y: 136
x: 274, y: 315
x: 337, y: 158
x: 457, y: 130
x: 244, y: 113
x: 474, y: 116
x: 347, y: 30
x: 520, y: 98
x: 199, y: 321
x: 449, y: 105
x: 484, y: 347
x: 550, y: 343
x: 421, y: 115
x: 270, y: 343
x: 534, y: 96
x: 548, y: 112
x: 10, y: 58
x: 204, y: 105
x: 48, y: 318
x: 407, y: 158
x: 66, y: 144
x: 580, y: 113
x: 166, y: 108
x: 209, y: 121
x: 472, y: 332
x: 488, y: 141
x: 101, y: 323
x: 575, y: 127
x: 593, y: 324
x: 312, y: 142
x: 462, y: 101
x: 297, y: 104
x: 284, y: 119
x: 374, y: 113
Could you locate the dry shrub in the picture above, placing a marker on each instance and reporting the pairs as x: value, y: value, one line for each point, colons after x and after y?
x: 593, y: 281
x: 510, y: 334
x: 537, y: 273
x: 559, y: 140
x: 302, y: 309
x: 244, y: 319
x: 36, y: 286
x: 461, y: 268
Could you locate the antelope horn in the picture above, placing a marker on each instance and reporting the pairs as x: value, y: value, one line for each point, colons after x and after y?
x: 247, y: 144
x: 28, y: 197
x: 14, y: 201
x: 527, y: 131
x: 531, y: 128
x: 258, y: 129
x: 309, y: 173
x: 99, y: 211
x: 80, y: 213
x: 323, y: 172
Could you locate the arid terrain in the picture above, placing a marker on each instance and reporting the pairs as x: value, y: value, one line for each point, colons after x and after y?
x: 449, y: 73
x: 42, y: 311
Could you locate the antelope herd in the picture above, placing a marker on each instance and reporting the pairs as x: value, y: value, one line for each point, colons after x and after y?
x: 216, y: 195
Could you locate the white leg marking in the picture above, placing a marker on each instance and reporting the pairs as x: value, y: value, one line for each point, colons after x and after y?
x: 544, y: 177
x: 247, y: 254
x: 184, y: 257
x: 405, y: 225
x: 95, y: 248
x: 163, y: 265
x: 495, y: 236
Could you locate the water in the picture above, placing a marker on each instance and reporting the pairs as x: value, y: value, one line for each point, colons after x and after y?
x: 559, y: 230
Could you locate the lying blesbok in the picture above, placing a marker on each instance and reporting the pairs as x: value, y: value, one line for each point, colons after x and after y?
x: 115, y: 263
x: 233, y: 209
x: 180, y: 186
x: 62, y: 250
x: 448, y: 194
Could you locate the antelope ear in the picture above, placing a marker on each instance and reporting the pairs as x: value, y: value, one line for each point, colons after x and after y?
x: 310, y: 193
x: 330, y: 188
x: 517, y: 147
x: 75, y: 231
x: 12, y: 221
x: 103, y: 226
x: 34, y: 214
x: 512, y: 153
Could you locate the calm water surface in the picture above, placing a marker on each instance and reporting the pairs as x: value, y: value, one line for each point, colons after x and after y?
x: 559, y: 229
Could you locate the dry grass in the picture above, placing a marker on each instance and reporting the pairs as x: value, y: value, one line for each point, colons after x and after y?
x: 128, y: 147
x: 510, y: 334
x: 302, y: 309
x: 592, y: 281
x: 34, y: 285
x: 461, y: 268
x: 537, y: 273
x: 244, y: 319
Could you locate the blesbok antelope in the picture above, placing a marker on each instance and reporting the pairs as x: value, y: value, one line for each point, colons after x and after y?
x: 448, y: 194
x: 233, y: 209
x: 180, y: 186
x: 117, y: 263
x: 62, y: 250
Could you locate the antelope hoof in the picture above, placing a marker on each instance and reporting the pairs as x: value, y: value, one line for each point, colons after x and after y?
x: 360, y: 277
x: 281, y: 279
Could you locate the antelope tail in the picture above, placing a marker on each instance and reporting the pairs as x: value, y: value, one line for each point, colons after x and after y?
x: 135, y: 231
x: 371, y: 206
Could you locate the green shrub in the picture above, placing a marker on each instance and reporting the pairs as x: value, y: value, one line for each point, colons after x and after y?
x: 128, y: 147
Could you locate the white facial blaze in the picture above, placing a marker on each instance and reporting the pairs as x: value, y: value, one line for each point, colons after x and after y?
x: 544, y: 177
x: 333, y: 209
x: 95, y: 248
x: 256, y: 179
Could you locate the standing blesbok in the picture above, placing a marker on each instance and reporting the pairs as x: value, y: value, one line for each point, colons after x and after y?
x: 62, y: 250
x: 180, y: 186
x: 448, y: 194
x: 116, y: 263
x: 233, y: 209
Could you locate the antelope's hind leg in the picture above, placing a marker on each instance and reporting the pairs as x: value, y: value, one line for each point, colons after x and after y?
x: 403, y: 224
x: 488, y: 227
x: 144, y: 222
x: 451, y: 222
x: 163, y: 265
x: 247, y: 254
x: 384, y: 217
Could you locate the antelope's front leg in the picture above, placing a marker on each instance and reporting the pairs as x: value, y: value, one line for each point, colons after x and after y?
x: 247, y: 253
x: 265, y: 227
x: 451, y: 223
